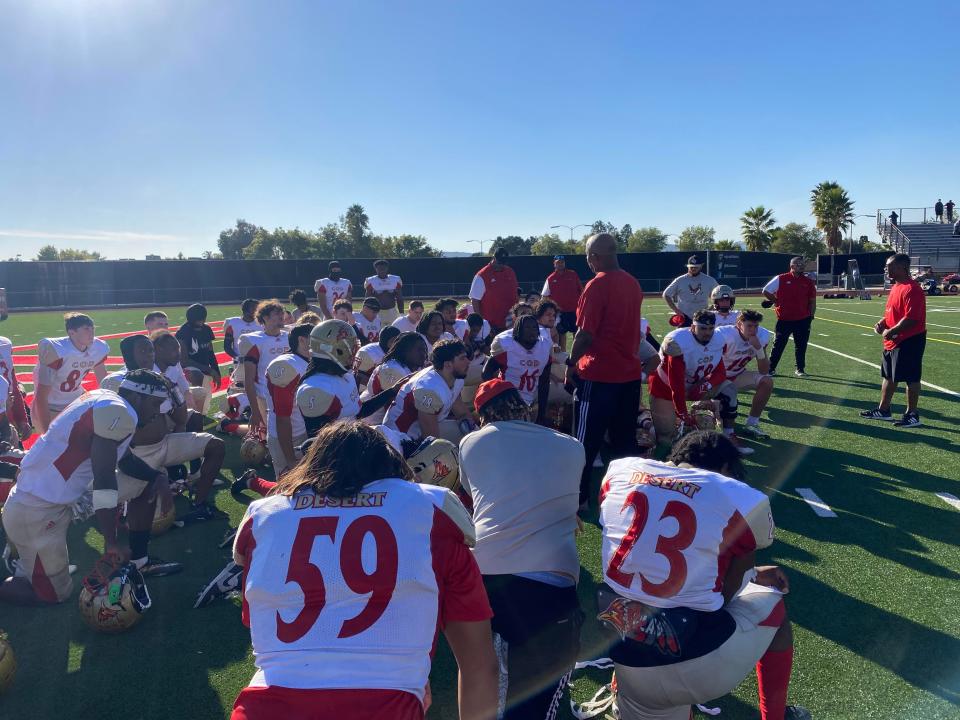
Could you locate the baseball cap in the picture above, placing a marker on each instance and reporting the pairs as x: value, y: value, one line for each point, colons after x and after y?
x: 559, y: 257
x: 694, y: 260
x: 489, y: 390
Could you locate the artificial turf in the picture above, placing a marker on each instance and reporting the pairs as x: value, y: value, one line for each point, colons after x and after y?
x: 874, y: 591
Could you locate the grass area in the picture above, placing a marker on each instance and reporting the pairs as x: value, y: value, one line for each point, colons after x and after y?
x: 874, y: 590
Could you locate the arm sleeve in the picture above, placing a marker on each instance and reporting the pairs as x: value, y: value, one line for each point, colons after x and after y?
x: 772, y: 286
x: 283, y: 396
x: 718, y: 375
x: 677, y: 374
x: 477, y: 288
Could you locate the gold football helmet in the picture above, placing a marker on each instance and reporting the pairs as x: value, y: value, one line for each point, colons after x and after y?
x: 8, y: 663
x: 722, y: 292
x: 162, y: 521
x: 334, y: 340
x: 253, y: 449
x: 436, y: 462
x: 114, y: 597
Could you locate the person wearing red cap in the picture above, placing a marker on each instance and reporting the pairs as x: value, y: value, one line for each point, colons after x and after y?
x: 603, y: 366
x: 524, y: 481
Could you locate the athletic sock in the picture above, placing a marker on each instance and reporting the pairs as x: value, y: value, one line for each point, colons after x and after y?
x: 751, y: 420
x: 773, y: 677
x: 261, y: 486
x: 138, y: 543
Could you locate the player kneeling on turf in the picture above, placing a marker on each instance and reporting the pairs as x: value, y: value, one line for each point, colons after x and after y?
x: 692, y: 612
x: 743, y: 342
x: 691, y: 368
x: 84, y: 446
x: 351, y: 636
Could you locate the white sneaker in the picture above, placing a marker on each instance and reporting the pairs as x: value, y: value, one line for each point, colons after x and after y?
x: 742, y: 449
x: 754, y: 431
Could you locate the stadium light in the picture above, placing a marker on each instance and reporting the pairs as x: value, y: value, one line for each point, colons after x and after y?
x: 571, y: 228
x: 481, y: 244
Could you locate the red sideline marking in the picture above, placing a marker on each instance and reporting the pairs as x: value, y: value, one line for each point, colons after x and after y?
x: 215, y: 325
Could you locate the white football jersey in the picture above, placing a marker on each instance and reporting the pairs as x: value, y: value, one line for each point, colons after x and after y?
x: 283, y: 379
x: 369, y: 328
x: 427, y: 392
x: 57, y: 468
x: 380, y: 285
x: 329, y: 396
x: 368, y: 357
x: 521, y: 367
x: 6, y: 361
x: 670, y: 532
x: 383, y: 377
x: 729, y: 318
x: 699, y: 360
x: 329, y: 291
x: 462, y: 330
x: 738, y: 352
x: 263, y: 349
x: 235, y: 327
x: 63, y: 367
x: 444, y: 336
x: 403, y: 324
x: 350, y: 592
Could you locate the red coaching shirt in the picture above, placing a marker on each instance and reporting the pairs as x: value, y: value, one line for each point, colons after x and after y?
x: 497, y: 292
x: 609, y: 309
x: 794, y: 293
x: 906, y: 299
x: 564, y: 288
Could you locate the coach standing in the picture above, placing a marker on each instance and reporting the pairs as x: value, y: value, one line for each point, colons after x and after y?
x: 494, y: 291
x: 603, y: 364
x: 563, y: 286
x: 904, y: 331
x: 795, y: 298
x: 690, y: 292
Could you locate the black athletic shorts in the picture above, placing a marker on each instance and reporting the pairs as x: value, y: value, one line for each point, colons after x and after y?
x: 567, y: 322
x: 905, y: 362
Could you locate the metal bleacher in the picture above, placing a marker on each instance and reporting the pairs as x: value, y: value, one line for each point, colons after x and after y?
x: 919, y: 235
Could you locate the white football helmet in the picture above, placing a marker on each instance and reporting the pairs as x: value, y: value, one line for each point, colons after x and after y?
x: 113, y: 598
x: 723, y: 292
x: 334, y: 340
x: 436, y: 462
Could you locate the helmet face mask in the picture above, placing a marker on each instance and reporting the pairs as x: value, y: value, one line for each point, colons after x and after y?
x: 436, y: 462
x: 113, y: 599
x: 720, y: 294
x: 336, y: 341
x: 253, y: 449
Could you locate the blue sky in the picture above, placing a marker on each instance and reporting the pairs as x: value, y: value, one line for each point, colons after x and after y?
x: 150, y: 125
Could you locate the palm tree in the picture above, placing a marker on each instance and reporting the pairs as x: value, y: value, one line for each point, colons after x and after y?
x: 833, y: 210
x: 756, y: 224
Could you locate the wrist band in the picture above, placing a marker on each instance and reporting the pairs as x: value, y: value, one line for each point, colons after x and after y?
x: 105, y: 499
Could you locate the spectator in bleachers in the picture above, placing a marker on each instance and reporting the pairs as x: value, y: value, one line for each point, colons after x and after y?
x: 949, y: 208
x: 938, y: 210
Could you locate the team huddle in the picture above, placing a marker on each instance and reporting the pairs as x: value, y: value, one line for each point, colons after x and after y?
x: 432, y: 467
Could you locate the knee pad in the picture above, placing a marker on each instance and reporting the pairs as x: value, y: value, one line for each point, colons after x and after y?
x: 727, y: 395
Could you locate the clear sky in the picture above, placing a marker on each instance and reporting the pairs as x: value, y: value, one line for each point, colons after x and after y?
x: 136, y: 126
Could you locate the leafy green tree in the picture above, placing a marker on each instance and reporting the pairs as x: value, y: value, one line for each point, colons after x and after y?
x: 294, y: 244
x: 408, y: 246
x: 263, y: 247
x: 48, y: 253
x: 356, y: 224
x: 623, y: 237
x: 646, y: 239
x: 696, y: 237
x: 514, y: 244
x: 833, y: 210
x: 756, y: 224
x: 549, y: 244
x: 232, y: 242
x: 798, y: 239
x: 726, y: 245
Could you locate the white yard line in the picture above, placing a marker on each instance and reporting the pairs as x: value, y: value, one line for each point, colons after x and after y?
x: 815, y: 503
x: 949, y: 499
x: 877, y: 367
x: 876, y: 316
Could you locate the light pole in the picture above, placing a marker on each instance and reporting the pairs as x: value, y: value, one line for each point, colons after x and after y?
x: 850, y: 240
x: 481, y: 244
x: 571, y: 228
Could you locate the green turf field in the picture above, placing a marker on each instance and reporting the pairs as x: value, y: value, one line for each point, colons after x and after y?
x: 874, y: 590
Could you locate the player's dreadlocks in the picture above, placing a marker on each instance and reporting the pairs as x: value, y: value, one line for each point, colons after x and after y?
x: 505, y: 406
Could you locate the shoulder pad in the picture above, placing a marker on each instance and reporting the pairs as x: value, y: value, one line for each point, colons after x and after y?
x: 281, y: 372
x: 246, y: 343
x: 364, y: 362
x: 497, y: 346
x: 761, y: 524
x: 314, y: 401
x: 101, y: 347
x: 112, y: 420
x: 389, y: 376
x: 427, y: 400
x: 47, y: 352
x: 764, y: 335
x: 671, y: 346
x: 112, y: 381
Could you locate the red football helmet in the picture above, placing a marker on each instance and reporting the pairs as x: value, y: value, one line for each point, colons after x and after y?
x: 677, y: 320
